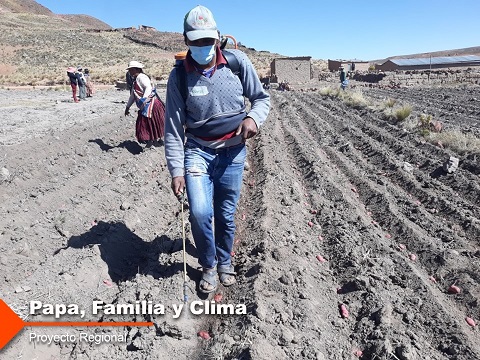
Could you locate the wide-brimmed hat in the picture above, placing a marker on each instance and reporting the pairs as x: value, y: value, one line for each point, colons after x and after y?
x: 199, y: 23
x: 134, y: 64
x: 71, y: 69
x: 79, y: 68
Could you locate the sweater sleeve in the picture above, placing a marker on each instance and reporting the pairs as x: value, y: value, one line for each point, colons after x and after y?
x: 253, y: 89
x: 174, y: 127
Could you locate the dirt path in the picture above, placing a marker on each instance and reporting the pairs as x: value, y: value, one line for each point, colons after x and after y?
x: 86, y: 215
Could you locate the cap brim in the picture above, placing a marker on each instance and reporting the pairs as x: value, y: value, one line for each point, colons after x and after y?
x: 201, y: 34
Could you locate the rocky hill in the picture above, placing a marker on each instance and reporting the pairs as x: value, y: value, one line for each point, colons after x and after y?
x: 36, y: 46
x: 23, y: 6
x: 34, y: 8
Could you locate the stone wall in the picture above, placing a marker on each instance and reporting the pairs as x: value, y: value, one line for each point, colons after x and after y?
x: 294, y: 71
x: 433, y: 78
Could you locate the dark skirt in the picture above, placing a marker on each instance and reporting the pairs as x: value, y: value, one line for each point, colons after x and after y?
x: 149, y: 129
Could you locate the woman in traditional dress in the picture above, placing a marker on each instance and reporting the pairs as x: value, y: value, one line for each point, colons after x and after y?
x: 150, y: 125
x: 73, y: 82
x: 90, y: 86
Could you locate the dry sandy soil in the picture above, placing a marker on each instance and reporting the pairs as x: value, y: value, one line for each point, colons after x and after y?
x: 86, y: 216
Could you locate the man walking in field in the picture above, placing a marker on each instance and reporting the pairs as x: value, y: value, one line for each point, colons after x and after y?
x: 343, y: 78
x: 206, y: 128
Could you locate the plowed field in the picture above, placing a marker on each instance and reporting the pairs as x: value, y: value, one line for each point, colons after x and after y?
x: 340, y: 208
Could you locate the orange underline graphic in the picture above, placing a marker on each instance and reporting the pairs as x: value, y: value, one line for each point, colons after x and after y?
x: 11, y: 324
x: 87, y: 323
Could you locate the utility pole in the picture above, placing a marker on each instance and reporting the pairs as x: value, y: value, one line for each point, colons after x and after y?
x: 430, y: 72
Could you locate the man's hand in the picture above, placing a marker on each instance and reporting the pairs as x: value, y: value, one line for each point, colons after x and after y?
x: 178, y: 185
x: 127, y: 111
x: 248, y: 128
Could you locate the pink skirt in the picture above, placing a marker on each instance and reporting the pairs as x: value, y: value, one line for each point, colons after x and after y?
x: 149, y: 129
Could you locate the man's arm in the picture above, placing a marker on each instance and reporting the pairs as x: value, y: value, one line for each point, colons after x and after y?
x: 253, y: 90
x: 174, y: 127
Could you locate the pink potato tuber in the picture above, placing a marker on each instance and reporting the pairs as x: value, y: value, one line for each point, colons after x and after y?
x: 470, y: 321
x: 454, y: 289
x: 344, y: 311
x: 204, y: 334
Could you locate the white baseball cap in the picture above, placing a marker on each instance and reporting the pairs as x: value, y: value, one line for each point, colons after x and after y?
x: 199, y: 23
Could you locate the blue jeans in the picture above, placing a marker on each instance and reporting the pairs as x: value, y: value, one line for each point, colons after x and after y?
x: 213, y: 180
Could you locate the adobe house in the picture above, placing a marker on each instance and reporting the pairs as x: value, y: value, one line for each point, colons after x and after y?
x: 334, y: 65
x: 427, y: 63
x: 294, y: 70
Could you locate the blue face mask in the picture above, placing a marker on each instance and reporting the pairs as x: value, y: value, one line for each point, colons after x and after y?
x: 202, y: 54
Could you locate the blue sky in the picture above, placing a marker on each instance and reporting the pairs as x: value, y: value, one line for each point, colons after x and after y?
x: 348, y: 29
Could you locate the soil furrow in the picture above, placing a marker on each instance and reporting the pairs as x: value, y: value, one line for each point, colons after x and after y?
x: 447, y: 112
x: 303, y: 159
x: 329, y: 215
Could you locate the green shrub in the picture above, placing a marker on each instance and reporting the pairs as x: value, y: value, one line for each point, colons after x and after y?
x: 424, y: 132
x: 424, y: 121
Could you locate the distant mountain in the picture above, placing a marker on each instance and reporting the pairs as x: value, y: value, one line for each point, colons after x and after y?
x: 89, y: 22
x: 23, y: 6
x: 34, y: 8
x: 38, y: 46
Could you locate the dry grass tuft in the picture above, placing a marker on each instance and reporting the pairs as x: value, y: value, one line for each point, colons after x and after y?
x: 397, y: 114
x: 390, y: 103
x: 402, y: 113
x: 354, y: 98
x: 452, y: 139
x: 456, y: 140
x: 330, y: 91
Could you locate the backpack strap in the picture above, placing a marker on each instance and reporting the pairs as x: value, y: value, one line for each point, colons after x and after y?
x: 232, y: 63
x: 182, y: 79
